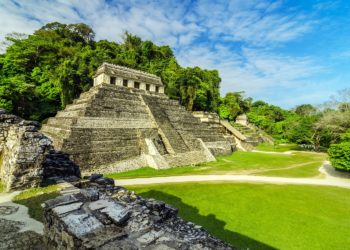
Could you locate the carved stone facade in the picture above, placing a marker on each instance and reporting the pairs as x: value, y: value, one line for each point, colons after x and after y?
x: 113, y: 128
x: 122, y: 76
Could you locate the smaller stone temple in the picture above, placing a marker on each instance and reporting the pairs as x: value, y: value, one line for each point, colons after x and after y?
x: 122, y: 76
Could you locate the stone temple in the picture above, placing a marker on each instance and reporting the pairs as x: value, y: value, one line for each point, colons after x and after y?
x: 125, y: 121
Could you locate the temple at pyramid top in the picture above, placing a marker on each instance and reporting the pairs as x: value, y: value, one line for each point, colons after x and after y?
x: 122, y: 76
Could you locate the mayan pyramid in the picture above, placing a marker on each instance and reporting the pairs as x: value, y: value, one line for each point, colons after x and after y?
x: 125, y: 121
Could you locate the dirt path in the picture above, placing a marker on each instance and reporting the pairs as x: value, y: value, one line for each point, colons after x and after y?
x: 15, y: 212
x: 336, y: 182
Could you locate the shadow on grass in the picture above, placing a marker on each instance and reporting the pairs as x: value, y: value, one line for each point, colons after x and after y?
x: 209, y: 222
x: 35, y: 210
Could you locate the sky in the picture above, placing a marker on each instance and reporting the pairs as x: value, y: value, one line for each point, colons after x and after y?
x: 283, y: 52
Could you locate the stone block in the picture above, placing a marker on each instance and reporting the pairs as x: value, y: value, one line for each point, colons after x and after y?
x: 118, y: 213
x: 99, y: 204
x: 90, y: 194
x: 81, y: 224
x: 60, y: 210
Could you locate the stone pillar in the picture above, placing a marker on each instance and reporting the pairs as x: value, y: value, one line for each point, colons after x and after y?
x: 102, y: 78
x: 161, y: 89
x: 152, y: 88
x: 142, y: 85
x: 119, y: 81
x: 130, y: 83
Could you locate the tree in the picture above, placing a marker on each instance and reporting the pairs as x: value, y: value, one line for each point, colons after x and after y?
x: 305, y: 110
x: 339, y: 154
x: 188, y: 83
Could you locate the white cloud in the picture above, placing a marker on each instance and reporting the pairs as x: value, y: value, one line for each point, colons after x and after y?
x: 256, y: 22
x: 260, y: 73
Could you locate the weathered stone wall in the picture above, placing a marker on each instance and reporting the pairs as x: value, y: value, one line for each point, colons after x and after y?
x: 102, y: 216
x: 27, y: 156
x: 23, y: 150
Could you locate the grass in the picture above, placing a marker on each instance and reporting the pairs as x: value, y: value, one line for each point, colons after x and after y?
x: 277, y: 148
x: 263, y: 216
x: 298, y: 164
x: 34, y: 197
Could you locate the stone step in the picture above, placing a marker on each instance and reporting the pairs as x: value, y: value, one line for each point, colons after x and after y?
x: 93, y: 122
x: 170, y: 107
x: 168, y: 102
x: 113, y: 100
x: 191, y: 125
x: 118, y: 115
x: 209, y: 138
x: 118, y: 107
x: 82, y: 100
x: 79, y: 106
x: 117, y: 94
x: 183, y: 116
x: 66, y: 121
x: 186, y: 158
x: 55, y: 131
x: 73, y: 147
x: 88, y: 94
x: 96, y: 159
x: 103, y: 133
x: 91, y: 157
x: 73, y: 113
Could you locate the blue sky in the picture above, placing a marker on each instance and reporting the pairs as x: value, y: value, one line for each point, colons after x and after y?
x: 283, y: 52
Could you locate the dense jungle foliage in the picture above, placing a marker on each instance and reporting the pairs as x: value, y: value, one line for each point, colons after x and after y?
x: 340, y: 153
x: 43, y: 72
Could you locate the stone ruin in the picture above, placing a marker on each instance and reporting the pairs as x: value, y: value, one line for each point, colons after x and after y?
x: 242, y: 119
x: 230, y: 132
x: 102, y: 216
x: 27, y: 157
x: 125, y: 121
x: 244, y: 135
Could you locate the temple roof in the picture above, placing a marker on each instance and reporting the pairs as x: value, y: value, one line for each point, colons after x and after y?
x: 128, y: 73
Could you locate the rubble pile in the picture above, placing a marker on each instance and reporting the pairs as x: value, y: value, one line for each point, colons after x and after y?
x: 104, y: 216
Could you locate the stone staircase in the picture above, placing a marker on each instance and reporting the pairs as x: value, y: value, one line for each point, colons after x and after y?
x: 171, y: 116
x: 156, y: 106
x: 252, y: 135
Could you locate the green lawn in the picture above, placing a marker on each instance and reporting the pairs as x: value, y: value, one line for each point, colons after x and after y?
x: 263, y: 216
x: 298, y: 164
x: 34, y: 197
x: 277, y: 148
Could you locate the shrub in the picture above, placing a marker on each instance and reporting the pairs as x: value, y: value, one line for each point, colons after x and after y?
x: 339, y: 155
